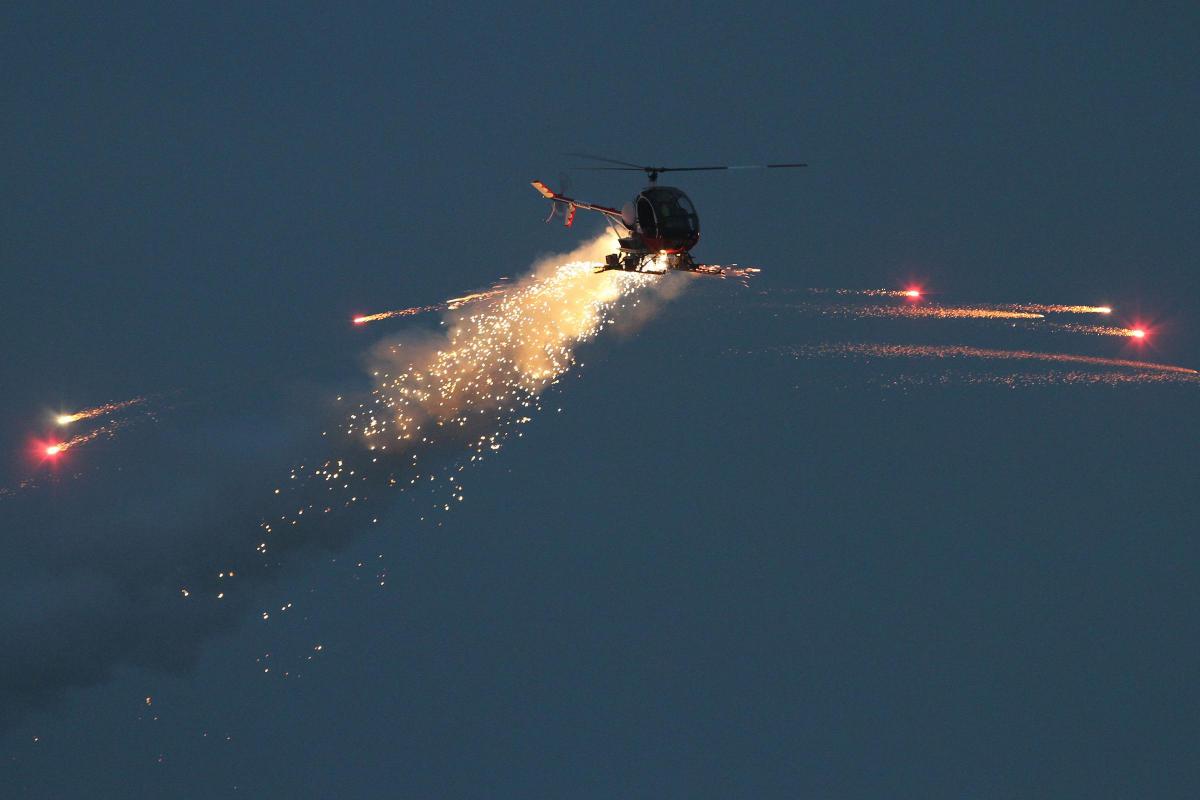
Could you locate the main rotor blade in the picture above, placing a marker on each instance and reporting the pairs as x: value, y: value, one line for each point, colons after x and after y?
x: 609, y: 160
x: 732, y: 166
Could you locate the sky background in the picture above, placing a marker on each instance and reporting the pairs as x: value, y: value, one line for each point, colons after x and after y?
x: 717, y: 571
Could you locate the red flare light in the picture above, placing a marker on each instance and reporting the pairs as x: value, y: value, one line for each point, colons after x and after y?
x: 53, y: 449
x: 913, y: 293
x: 1138, y: 333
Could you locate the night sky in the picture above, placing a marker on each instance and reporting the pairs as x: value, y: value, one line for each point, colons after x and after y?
x: 759, y: 541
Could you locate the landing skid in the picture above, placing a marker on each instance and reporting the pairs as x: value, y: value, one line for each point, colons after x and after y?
x: 649, y: 263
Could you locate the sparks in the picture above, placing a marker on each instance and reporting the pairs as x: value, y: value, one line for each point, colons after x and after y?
x: 1058, y: 308
x: 868, y: 292
x: 452, y: 304
x: 99, y: 411
x: 54, y: 449
x: 1060, y: 368
x: 1101, y: 330
x: 502, y: 348
x: 930, y: 310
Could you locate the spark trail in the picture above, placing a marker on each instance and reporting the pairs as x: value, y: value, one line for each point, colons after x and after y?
x: 869, y: 292
x: 1100, y: 330
x: 453, y: 304
x: 1041, y: 308
x: 99, y: 411
x: 1025, y: 308
x: 57, y: 448
x: 1063, y: 368
x: 917, y: 306
x: 740, y: 274
x: 927, y: 310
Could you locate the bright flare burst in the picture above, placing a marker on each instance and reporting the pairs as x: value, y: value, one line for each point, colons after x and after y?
x: 502, y: 355
x: 471, y: 389
x: 98, y: 411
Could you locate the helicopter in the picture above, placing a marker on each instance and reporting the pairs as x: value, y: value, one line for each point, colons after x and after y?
x: 657, y: 229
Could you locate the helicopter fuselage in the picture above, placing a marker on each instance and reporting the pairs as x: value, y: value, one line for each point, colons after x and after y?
x: 658, y: 228
x: 661, y: 226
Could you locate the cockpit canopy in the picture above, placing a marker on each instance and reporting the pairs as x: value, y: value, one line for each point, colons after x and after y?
x: 666, y: 212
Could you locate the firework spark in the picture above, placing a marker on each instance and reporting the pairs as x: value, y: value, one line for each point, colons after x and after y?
x: 452, y: 304
x: 99, y: 411
x: 1041, y: 308
x: 868, y: 292
x: 455, y: 303
x: 1001, y: 311
x: 1101, y: 330
x: 963, y: 351
x: 399, y: 312
x: 914, y: 293
x: 52, y: 449
x: 743, y: 274
x: 1063, y: 368
x: 503, y: 354
x: 471, y: 389
x: 927, y: 310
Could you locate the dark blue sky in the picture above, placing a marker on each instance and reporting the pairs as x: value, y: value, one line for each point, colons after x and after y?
x: 709, y: 575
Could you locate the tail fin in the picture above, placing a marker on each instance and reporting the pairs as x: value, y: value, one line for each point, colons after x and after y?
x: 556, y: 201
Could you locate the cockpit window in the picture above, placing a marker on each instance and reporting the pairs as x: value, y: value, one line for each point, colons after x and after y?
x: 645, y: 213
x: 674, y: 214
